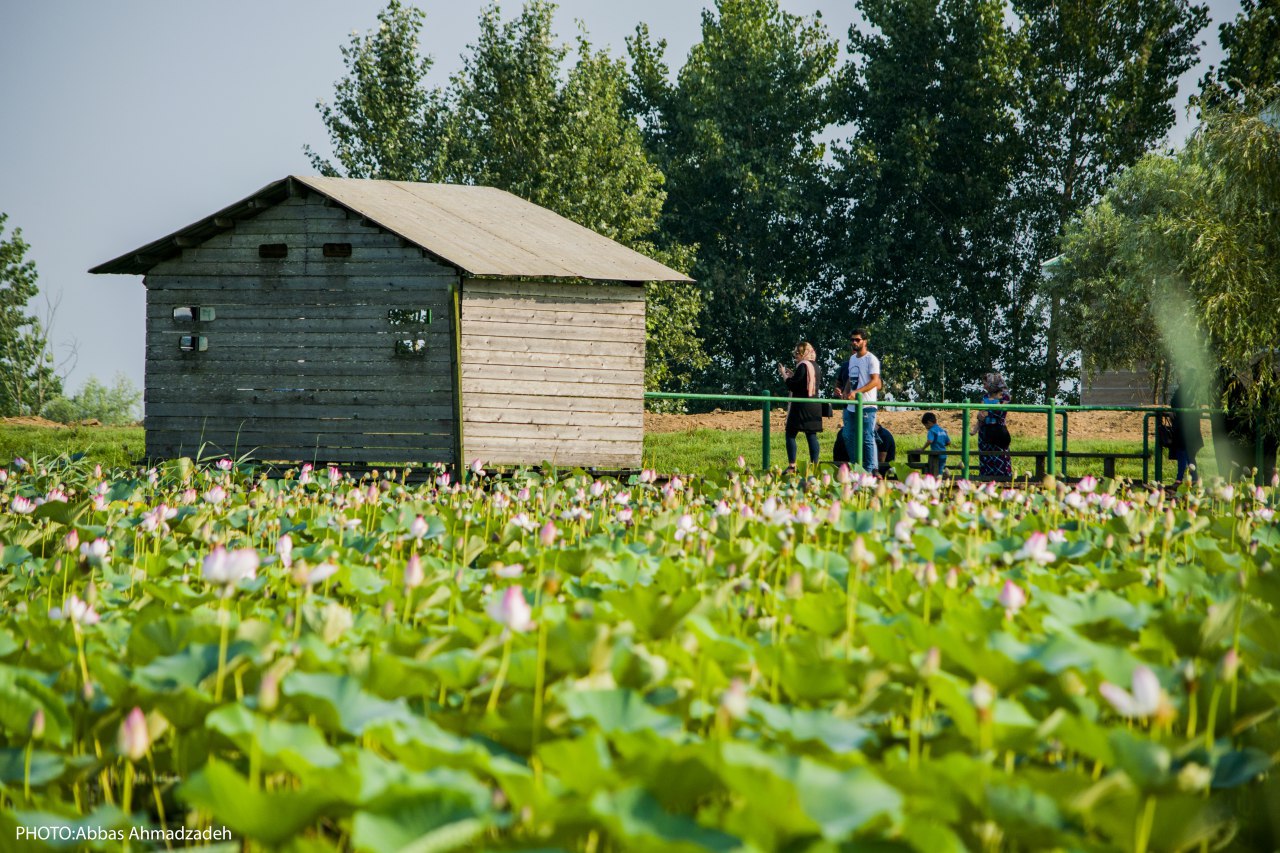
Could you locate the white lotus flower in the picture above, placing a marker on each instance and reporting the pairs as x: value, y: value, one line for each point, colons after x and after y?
x: 227, y: 568
x: 1036, y: 548
x: 1147, y: 697
x: 511, y: 610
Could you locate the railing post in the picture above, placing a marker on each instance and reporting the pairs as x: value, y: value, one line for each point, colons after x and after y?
x: 1063, y: 464
x: 766, y: 440
x: 1051, y: 462
x: 964, y: 444
x: 858, y: 460
x: 1159, y: 458
x: 1146, y: 447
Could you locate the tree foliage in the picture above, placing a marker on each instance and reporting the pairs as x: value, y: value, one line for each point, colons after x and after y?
x: 1251, y: 42
x: 513, y: 118
x: 384, y: 122
x: 735, y: 133
x: 27, y: 376
x: 928, y: 232
x: 113, y: 405
x: 1186, y: 249
x: 1098, y: 81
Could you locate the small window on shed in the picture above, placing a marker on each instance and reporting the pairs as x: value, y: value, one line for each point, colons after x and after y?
x: 411, y: 348
x: 409, y: 316
x: 193, y: 314
x: 273, y: 251
x: 193, y: 343
x: 337, y: 250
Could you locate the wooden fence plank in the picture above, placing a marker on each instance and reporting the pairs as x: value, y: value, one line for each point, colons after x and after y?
x: 550, y: 302
x: 515, y: 344
x: 555, y: 432
x: 506, y: 287
x: 516, y: 330
x: 571, y: 321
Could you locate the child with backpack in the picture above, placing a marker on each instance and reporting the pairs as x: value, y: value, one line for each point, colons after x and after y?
x: 936, y: 439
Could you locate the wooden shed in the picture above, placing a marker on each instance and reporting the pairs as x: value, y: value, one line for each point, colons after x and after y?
x: 354, y: 321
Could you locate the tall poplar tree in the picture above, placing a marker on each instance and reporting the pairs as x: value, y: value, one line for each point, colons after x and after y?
x: 1099, y: 80
x: 512, y: 118
x: 926, y: 236
x: 1251, y: 44
x: 736, y: 135
x: 27, y: 376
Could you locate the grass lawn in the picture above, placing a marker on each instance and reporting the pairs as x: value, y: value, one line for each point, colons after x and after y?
x: 708, y: 451
x: 109, y: 446
x: 697, y: 452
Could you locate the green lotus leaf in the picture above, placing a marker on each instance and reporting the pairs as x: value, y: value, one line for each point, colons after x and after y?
x: 617, y: 711
x: 1098, y: 607
x: 639, y: 823
x: 268, y: 816
x: 281, y: 744
x: 23, y: 693
x: 340, y: 703
x: 798, y: 725
x: 834, y: 802
x: 1144, y: 761
x: 424, y: 825
x: 1239, y: 767
x: 45, y: 767
x: 822, y: 562
x: 581, y: 764
x: 187, y: 668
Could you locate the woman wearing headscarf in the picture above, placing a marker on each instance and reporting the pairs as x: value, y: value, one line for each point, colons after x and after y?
x: 802, y: 381
x: 993, y: 434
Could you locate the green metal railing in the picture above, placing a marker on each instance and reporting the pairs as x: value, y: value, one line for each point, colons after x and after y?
x: 1051, y: 410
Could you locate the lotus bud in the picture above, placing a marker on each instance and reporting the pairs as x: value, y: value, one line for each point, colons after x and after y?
x: 932, y: 662
x: 413, y: 574
x: 547, y: 536
x: 71, y: 542
x: 1229, y: 666
x: 795, y: 585
x: 134, y: 740
x: 735, y: 702
x: 36, y: 727
x: 1194, y: 778
x: 269, y: 691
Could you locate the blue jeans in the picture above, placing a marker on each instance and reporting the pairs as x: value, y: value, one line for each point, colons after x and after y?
x: 815, y: 452
x: 849, y: 435
x: 1185, y: 461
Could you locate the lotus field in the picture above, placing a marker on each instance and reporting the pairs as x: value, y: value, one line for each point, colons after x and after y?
x: 527, y: 661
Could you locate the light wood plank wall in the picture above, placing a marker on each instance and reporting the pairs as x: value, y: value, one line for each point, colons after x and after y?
x: 553, y: 372
x: 301, y: 362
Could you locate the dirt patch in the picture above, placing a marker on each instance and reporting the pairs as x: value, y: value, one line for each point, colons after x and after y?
x: 1119, y: 426
x: 33, y: 421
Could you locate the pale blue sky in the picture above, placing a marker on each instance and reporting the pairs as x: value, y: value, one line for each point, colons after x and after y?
x: 127, y: 120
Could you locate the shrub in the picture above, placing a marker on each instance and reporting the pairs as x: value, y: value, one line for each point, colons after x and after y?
x: 114, y: 405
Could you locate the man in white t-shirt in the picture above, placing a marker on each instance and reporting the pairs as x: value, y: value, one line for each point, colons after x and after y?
x: 864, y: 378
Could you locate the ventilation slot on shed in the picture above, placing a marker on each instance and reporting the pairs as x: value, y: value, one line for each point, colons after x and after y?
x: 411, y: 348
x: 337, y: 250
x: 193, y: 343
x: 409, y: 316
x: 193, y: 314
x: 273, y: 250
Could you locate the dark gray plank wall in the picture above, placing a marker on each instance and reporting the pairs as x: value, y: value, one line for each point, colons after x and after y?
x: 301, y: 362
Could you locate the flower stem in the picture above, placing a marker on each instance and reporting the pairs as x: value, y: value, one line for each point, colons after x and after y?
x: 500, y: 678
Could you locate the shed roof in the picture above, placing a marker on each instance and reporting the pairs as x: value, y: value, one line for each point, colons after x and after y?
x: 482, y: 231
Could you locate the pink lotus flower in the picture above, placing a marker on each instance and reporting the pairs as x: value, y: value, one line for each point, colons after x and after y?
x: 134, y: 740
x: 224, y: 464
x: 227, y: 568
x: 22, y: 505
x: 514, y: 570
x: 1036, y: 548
x: 418, y: 527
x: 1011, y: 598
x: 215, y: 495
x: 78, y: 612
x: 71, y: 542
x: 413, y: 574
x: 95, y: 552
x: 284, y: 549
x: 319, y: 574
x: 511, y: 610
x: 477, y: 467
x: 443, y: 480
x: 1087, y: 484
x: 1147, y: 697
x: 684, y: 527
x: 548, y: 534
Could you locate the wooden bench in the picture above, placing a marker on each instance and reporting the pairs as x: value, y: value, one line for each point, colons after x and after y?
x: 915, y: 458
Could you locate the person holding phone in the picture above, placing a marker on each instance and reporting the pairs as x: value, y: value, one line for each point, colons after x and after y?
x: 863, y: 377
x: 802, y: 381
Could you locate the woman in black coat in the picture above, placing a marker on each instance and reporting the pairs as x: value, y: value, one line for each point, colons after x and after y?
x: 803, y: 381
